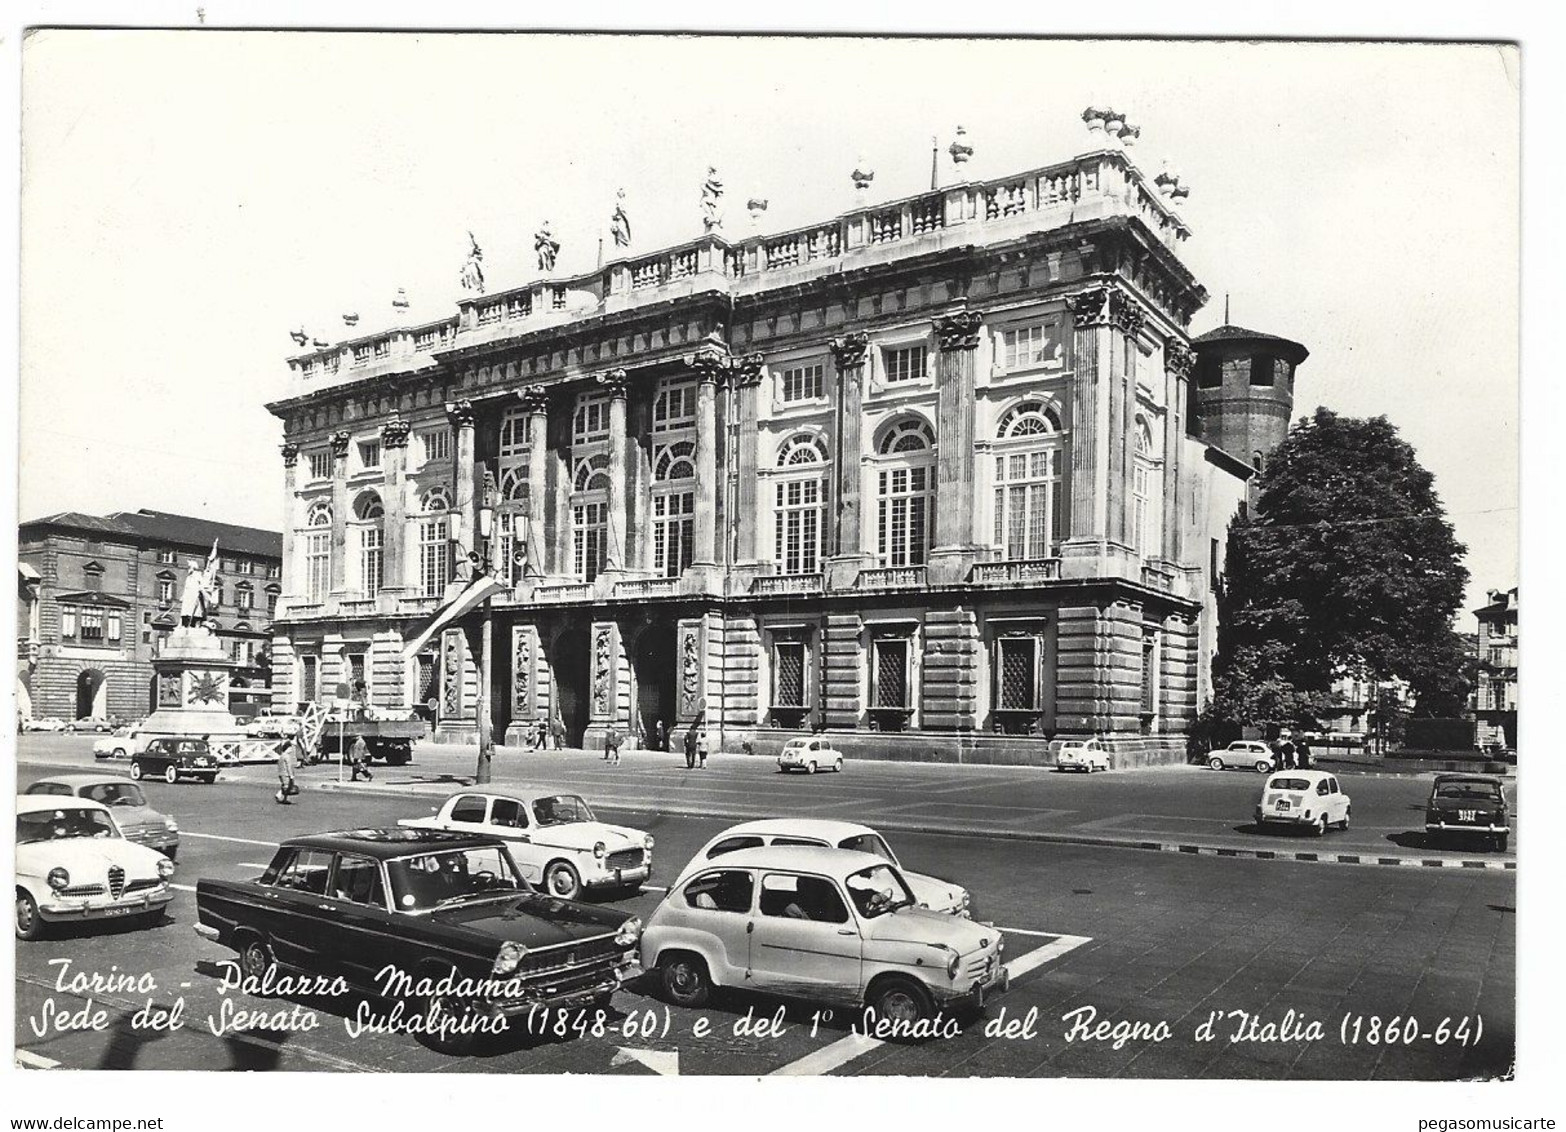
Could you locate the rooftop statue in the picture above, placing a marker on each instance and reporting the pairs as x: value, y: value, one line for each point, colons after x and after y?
x: 711, y: 195
x: 547, y: 247
x: 619, y: 222
x: 473, y: 268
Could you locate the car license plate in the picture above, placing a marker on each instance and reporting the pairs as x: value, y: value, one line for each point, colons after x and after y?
x: 1468, y: 815
x: 1283, y: 805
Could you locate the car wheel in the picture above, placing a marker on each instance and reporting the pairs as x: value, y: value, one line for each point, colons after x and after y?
x: 172, y: 852
x: 1215, y: 763
x: 901, y: 1001
x: 256, y: 960
x: 29, y: 924
x: 684, y: 979
x: 1345, y: 822
x: 136, y: 771
x: 171, y: 774
x: 838, y: 767
x: 209, y: 779
x: 117, y: 753
x: 561, y: 879
x: 448, y: 1024
x: 810, y: 768
x: 1320, y: 828
x: 1500, y: 843
x: 1263, y: 766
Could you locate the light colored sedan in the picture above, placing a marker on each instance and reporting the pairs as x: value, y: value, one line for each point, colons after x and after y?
x: 1243, y: 754
x: 124, y: 743
x: 138, y: 821
x: 809, y: 755
x: 930, y: 892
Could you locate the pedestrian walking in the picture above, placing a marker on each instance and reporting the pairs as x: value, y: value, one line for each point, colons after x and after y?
x: 540, y: 740
x: 612, y: 741
x: 359, y: 760
x: 690, y: 748
x: 701, y: 748
x: 1285, y: 752
x: 660, y: 736
x: 286, y: 787
x: 558, y: 732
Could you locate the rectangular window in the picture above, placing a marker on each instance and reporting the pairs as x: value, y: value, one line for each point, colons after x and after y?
x: 891, y: 673
x: 369, y: 561
x: 370, y: 454
x: 309, y: 682
x: 1018, y: 674
x: 591, y: 421
x: 434, y: 568
x: 244, y: 566
x: 904, y: 507
x: 674, y: 526
x: 271, y: 603
x: 244, y: 599
x: 165, y: 592
x: 318, y: 564
x: 436, y: 444
x: 1263, y: 369
x: 165, y: 556
x: 797, y: 532
x: 1032, y: 347
x: 513, y: 435
x: 94, y: 580
x: 1029, y: 511
x: 801, y: 383
x: 320, y: 465
x: 67, y: 621
x: 112, y: 628
x: 589, y: 537
x: 788, y: 682
x: 1149, y: 673
x: 91, y: 620
x: 356, y: 673
x: 1212, y: 564
x: 906, y: 363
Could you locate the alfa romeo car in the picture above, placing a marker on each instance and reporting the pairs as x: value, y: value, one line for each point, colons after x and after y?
x: 73, y: 863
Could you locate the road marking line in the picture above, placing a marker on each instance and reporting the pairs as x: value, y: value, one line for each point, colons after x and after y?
x: 235, y: 840
x: 654, y: 888
x: 253, y: 865
x: 847, y: 1048
x: 183, y: 887
x: 26, y: 1059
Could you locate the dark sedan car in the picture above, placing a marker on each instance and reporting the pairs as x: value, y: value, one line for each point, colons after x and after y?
x: 1470, y: 804
x: 174, y: 759
x: 442, y: 922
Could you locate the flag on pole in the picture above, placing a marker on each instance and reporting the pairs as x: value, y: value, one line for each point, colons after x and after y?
x: 451, y: 609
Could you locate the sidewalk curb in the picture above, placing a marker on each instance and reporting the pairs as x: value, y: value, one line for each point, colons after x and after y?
x: 1460, y: 863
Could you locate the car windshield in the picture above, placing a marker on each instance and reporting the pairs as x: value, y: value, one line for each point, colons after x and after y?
x: 561, y: 809
x: 868, y: 843
x: 1290, y: 784
x: 62, y: 824
x: 878, y: 890
x: 433, y: 879
x: 1473, y: 791
x: 115, y: 793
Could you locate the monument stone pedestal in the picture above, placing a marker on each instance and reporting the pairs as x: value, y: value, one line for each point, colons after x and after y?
x: 193, y: 675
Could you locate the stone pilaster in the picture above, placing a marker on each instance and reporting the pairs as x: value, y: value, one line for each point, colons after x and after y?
x: 704, y: 549
x: 1098, y: 669
x: 950, y: 692
x: 536, y: 404
x: 604, y: 683
x: 1177, y: 693
x: 527, y: 702
x: 1125, y: 318
x: 394, y: 499
x: 557, y: 487
x: 386, y: 672
x: 844, y: 546
x: 291, y: 565
x: 957, y: 341
x: 690, y: 659
x: 339, y: 565
x: 843, y: 698
x: 1179, y: 359
x: 614, y: 382
x: 742, y: 670
x: 464, y: 488
x: 745, y: 373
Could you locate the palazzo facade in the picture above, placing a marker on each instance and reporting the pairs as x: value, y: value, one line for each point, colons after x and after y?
x: 926, y: 477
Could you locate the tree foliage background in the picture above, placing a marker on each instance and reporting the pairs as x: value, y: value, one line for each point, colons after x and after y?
x: 1347, y: 564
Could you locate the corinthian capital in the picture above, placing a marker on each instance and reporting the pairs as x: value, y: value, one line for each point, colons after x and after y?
x: 1178, y: 360
x: 394, y: 433
x: 535, y: 401
x: 340, y: 442
x: 460, y: 413
x: 1090, y: 307
x: 1125, y: 313
x: 290, y: 455
x: 746, y: 369
x: 613, y: 381
x: 958, y: 331
x: 850, y: 350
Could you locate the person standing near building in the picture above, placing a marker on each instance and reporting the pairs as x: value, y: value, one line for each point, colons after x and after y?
x: 359, y: 759
x: 557, y: 731
x: 660, y: 736
x: 690, y: 748
x: 612, y: 741
x: 286, y: 787
x: 701, y: 748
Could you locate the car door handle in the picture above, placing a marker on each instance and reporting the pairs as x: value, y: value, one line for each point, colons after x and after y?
x: 750, y: 927
x: 324, y: 907
x: 846, y: 931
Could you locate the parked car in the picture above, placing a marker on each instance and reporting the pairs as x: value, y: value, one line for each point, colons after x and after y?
x: 125, y: 742
x: 1309, y: 798
x: 431, y: 905
x: 73, y: 863
x: 823, y: 925
x: 272, y: 723
x: 809, y: 755
x: 1470, y: 804
x: 1082, y: 754
x: 47, y: 723
x: 929, y: 892
x: 1246, y: 754
x: 174, y: 759
x: 92, y: 723
x: 554, y: 838
x: 138, y: 821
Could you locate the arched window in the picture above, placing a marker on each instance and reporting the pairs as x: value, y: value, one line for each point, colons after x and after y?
x: 1030, y: 514
x: 905, y: 493
x: 590, y: 517
x: 799, y: 502
x: 674, y: 508
x: 318, y: 551
x: 1144, y: 537
x: 434, y: 548
x: 371, y: 515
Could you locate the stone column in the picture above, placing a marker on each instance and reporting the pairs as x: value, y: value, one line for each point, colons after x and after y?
x: 846, y: 555
x: 1083, y: 552
x: 290, y: 522
x: 535, y: 402
x: 1125, y: 320
x: 339, y: 574
x: 1179, y: 359
x: 957, y: 340
x: 557, y: 486
x: 614, y: 382
x: 745, y: 373
x: 464, y: 488
x: 394, y: 459
x: 708, y: 369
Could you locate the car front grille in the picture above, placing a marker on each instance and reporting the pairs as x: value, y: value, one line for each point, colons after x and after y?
x: 142, y: 885
x: 625, y: 859
x: 82, y: 890
x: 561, y: 970
x: 116, y: 881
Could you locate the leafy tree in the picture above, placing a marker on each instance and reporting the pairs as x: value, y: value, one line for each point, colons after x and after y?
x: 1348, y: 564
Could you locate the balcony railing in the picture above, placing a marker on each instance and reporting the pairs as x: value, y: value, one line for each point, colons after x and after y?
x: 568, y: 591
x: 1018, y: 570
x: 415, y: 604
x: 647, y: 587
x: 773, y: 585
x: 358, y: 607
x: 892, y: 578
x: 1157, y: 579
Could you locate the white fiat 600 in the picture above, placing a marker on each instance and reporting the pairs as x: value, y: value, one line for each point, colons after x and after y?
x: 1308, y: 799
x: 554, y: 838
x: 72, y: 863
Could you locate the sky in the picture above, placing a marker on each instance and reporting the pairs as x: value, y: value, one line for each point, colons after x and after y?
x: 188, y: 198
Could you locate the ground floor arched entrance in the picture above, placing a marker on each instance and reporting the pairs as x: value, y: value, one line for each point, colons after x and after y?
x: 570, y: 660
x: 654, y: 667
x: 92, y: 694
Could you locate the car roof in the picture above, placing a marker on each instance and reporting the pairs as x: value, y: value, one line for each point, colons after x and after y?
x: 388, y: 843
x: 1313, y: 775
x: 488, y: 792
x: 33, y: 803
x: 837, y: 863
x: 77, y: 781
x: 828, y: 829
x: 1487, y: 779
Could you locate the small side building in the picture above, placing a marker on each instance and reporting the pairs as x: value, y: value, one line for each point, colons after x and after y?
x: 1495, y: 708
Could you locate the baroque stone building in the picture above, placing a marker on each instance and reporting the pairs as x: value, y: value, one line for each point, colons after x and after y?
x: 99, y: 592
x: 1495, y: 699
x: 927, y: 476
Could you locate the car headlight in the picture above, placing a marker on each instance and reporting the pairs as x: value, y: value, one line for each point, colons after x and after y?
x: 58, y: 879
x: 649, y: 841
x: 599, y: 849
x: 509, y: 959
x: 629, y: 933
x: 953, y: 965
x: 171, y: 825
x: 165, y: 868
